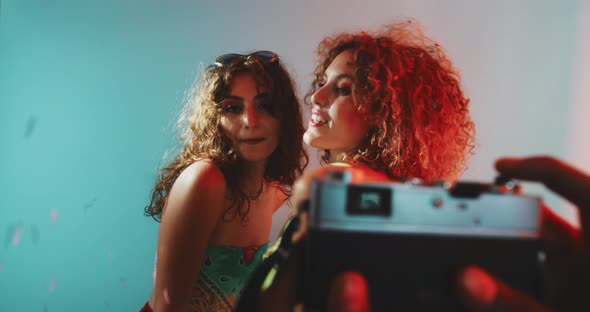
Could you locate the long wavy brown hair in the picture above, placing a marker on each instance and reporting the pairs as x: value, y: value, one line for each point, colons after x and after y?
x: 409, y: 91
x: 203, y: 138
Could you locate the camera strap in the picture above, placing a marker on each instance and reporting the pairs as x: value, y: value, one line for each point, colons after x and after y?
x: 263, y: 276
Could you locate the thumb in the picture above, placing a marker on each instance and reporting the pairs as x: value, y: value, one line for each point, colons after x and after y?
x: 480, y: 291
x: 349, y: 292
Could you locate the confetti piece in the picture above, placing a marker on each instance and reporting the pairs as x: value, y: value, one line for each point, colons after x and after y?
x: 123, y: 282
x: 89, y: 205
x: 35, y: 233
x: 18, y: 232
x: 54, y: 216
x: 52, y: 285
x: 9, y: 231
x: 30, y: 127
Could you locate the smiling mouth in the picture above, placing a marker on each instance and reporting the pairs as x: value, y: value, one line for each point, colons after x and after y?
x: 317, y: 121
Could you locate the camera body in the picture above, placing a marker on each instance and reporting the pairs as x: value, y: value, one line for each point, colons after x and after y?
x: 410, y: 240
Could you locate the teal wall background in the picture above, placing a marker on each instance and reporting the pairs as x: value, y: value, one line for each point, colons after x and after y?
x: 89, y: 92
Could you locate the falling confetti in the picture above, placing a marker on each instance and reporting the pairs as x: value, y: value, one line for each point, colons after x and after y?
x: 54, y: 216
x: 89, y: 205
x: 123, y: 282
x: 52, y: 285
x: 9, y: 232
x: 18, y: 232
x: 30, y: 127
x: 35, y: 233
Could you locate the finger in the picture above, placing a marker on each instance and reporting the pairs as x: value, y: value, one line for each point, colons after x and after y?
x: 480, y: 291
x: 559, y: 232
x: 301, y: 232
x: 349, y: 292
x: 558, y: 176
x: 565, y: 270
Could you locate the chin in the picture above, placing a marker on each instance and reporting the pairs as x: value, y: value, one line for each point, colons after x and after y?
x: 256, y: 154
x: 312, y: 140
x: 318, y: 143
x: 255, y: 157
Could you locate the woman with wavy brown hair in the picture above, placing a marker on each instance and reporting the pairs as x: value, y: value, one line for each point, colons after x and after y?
x: 242, y: 151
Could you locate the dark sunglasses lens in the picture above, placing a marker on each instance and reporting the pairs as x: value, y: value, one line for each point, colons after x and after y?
x: 227, y: 58
x: 267, y: 55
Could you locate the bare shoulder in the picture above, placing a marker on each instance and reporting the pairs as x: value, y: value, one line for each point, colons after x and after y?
x: 200, y: 184
x: 194, y: 206
x: 202, y: 172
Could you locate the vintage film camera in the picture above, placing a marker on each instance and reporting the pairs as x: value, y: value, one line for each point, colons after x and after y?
x: 411, y: 239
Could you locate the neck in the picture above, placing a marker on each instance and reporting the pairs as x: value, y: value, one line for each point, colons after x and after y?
x: 253, y: 176
x: 339, y: 156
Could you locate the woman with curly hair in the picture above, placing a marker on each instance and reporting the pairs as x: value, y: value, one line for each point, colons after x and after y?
x: 391, y: 101
x: 384, y: 106
x: 387, y: 106
x: 242, y: 131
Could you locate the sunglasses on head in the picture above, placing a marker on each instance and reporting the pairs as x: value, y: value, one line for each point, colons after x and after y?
x: 258, y: 56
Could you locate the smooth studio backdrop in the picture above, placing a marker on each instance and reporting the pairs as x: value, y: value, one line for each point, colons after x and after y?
x: 90, y: 90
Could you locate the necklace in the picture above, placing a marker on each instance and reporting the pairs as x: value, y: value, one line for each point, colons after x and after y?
x: 256, y: 197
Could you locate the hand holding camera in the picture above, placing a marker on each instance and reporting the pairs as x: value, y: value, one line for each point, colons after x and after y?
x: 410, y: 240
x: 567, y: 265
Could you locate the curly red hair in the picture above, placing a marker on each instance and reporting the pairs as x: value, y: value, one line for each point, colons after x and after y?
x: 409, y: 91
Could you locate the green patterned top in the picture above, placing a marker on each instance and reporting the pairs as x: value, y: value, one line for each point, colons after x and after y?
x: 224, y: 273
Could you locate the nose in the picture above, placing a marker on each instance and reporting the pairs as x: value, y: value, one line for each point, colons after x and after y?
x: 319, y: 97
x: 250, y: 118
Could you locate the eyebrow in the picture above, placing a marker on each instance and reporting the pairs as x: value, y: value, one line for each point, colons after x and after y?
x: 341, y: 76
x: 239, y: 98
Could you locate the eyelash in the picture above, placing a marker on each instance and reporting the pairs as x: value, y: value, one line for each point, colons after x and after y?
x: 345, y: 91
x: 263, y: 106
x: 232, y: 109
